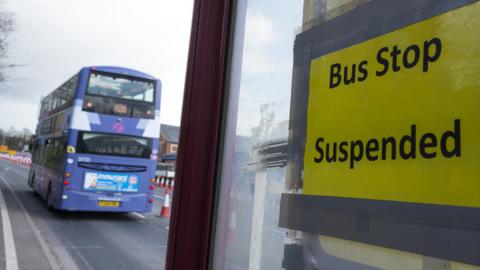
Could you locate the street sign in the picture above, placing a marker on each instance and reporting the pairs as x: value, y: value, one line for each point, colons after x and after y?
x: 396, y: 117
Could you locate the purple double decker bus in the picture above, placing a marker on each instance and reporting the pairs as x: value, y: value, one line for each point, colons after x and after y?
x: 97, y: 140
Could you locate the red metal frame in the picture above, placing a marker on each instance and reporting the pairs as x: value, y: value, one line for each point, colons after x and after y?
x: 192, y: 209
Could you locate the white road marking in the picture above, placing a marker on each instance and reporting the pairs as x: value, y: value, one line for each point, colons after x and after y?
x: 83, y: 259
x: 158, y: 196
x: 51, y: 259
x: 159, y: 246
x: 10, y: 250
x: 18, y: 170
x: 138, y: 215
x: 84, y: 247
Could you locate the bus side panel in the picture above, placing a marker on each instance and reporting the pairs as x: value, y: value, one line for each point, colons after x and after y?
x: 56, y: 183
x: 82, y: 83
x: 39, y: 180
x: 44, y: 177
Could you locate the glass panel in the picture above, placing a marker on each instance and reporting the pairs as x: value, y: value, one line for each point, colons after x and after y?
x: 350, y: 140
x: 60, y: 99
x: 253, y: 172
x: 56, y: 153
x: 116, y: 145
x: 116, y: 95
x: 121, y: 107
x: 118, y: 87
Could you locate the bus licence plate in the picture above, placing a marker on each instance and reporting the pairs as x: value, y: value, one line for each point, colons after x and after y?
x: 108, y: 204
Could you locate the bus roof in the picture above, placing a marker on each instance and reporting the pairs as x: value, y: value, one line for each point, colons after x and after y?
x: 122, y: 70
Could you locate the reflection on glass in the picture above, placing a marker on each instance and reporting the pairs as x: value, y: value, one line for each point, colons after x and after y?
x: 122, y: 96
x: 116, y: 145
x: 248, y: 236
x: 118, y: 87
x: 258, y: 226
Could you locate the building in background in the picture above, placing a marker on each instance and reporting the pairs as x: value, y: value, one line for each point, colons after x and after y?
x: 168, y: 147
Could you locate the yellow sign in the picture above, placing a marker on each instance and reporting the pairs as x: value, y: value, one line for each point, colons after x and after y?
x: 397, y: 117
x: 70, y: 149
x: 3, y: 148
x: 12, y: 152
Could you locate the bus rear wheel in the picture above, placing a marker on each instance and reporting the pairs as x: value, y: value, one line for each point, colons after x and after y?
x: 32, y: 184
x: 48, y: 199
x: 30, y: 180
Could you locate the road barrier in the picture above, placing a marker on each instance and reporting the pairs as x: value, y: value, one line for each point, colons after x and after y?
x: 232, y: 226
x: 162, y: 182
x: 21, y: 159
x: 170, y: 183
x: 232, y: 219
x: 165, y: 182
x: 159, y: 181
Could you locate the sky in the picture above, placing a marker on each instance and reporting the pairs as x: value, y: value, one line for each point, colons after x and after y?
x: 54, y: 39
x: 267, y: 62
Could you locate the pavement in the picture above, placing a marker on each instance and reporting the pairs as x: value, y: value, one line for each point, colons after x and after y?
x: 31, y: 237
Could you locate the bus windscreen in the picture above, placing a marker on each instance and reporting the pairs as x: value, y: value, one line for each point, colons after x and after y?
x: 120, y: 87
x: 117, y: 95
x: 113, y: 145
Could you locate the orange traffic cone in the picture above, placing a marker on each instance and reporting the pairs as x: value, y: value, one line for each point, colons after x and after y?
x: 165, y: 212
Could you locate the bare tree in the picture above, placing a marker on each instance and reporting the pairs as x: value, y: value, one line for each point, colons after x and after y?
x: 15, y: 139
x: 7, y: 26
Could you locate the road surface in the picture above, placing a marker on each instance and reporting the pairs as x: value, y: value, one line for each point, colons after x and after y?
x: 73, y: 240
